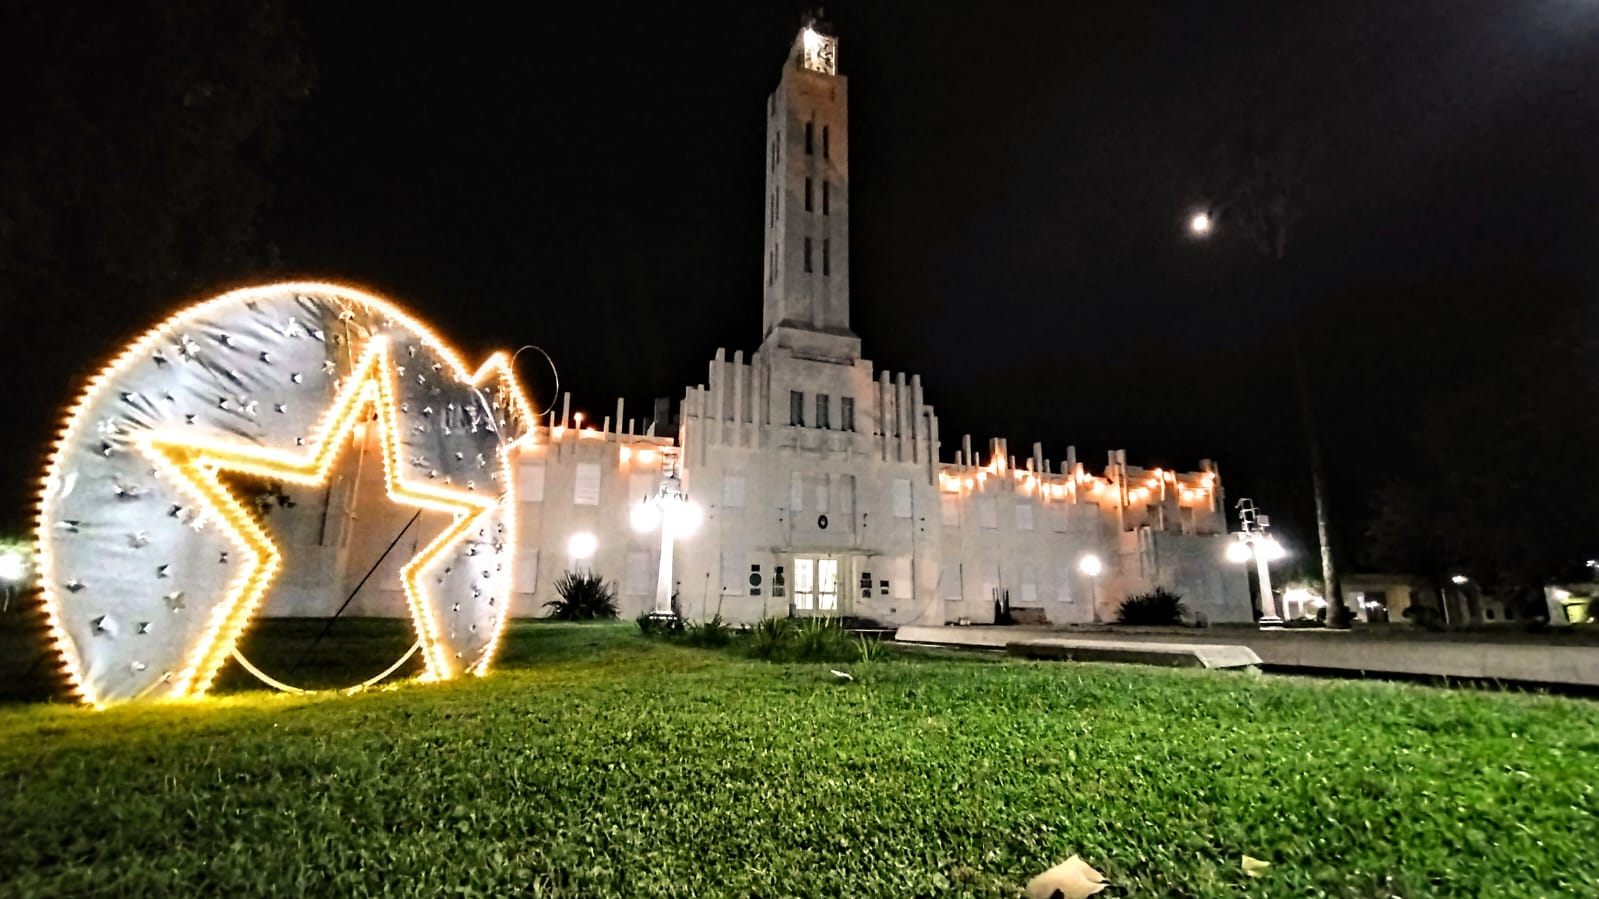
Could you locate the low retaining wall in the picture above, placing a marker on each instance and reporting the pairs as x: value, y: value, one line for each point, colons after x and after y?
x: 1536, y: 663
x: 1138, y: 652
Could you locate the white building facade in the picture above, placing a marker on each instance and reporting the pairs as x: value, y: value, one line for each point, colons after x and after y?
x: 822, y: 481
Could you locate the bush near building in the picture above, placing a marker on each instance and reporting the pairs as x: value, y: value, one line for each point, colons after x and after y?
x: 1157, y: 607
x: 582, y: 596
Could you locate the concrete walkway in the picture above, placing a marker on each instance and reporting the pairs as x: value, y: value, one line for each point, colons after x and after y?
x: 1139, y: 652
x: 1534, y: 663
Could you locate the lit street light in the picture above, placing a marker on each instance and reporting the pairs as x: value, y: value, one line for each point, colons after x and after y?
x: 1091, y: 566
x: 669, y: 510
x: 1200, y: 224
x: 1255, y: 543
x: 13, y: 571
x: 581, y: 546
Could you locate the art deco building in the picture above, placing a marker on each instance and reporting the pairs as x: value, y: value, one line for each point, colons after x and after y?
x: 824, y: 486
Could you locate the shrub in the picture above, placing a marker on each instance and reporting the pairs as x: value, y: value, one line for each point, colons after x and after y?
x: 1419, y: 615
x: 584, y: 596
x: 1159, y: 606
x: 822, y: 640
x: 711, y: 634
x: 652, y: 625
x: 868, y: 649
x: 771, y: 637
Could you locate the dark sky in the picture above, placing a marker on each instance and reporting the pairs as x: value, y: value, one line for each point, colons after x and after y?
x: 591, y: 181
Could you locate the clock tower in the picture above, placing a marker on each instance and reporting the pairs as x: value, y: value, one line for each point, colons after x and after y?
x: 806, y: 289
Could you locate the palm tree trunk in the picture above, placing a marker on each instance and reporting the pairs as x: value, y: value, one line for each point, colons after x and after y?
x: 1337, y: 613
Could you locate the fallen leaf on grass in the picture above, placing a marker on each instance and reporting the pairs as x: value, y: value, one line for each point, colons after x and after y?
x: 1071, y: 879
x: 1254, y: 867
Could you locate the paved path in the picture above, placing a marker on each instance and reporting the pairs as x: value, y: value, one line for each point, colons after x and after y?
x: 1140, y: 652
x: 1537, y: 663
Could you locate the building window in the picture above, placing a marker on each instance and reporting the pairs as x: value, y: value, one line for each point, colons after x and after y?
x: 823, y: 407
x: 825, y: 154
x: 807, y: 195
x: 807, y: 255
x: 733, y: 489
x: 809, y: 126
x: 949, y: 510
x: 1024, y: 515
x: 827, y: 265
x: 586, y: 486
x: 531, y: 489
x: 846, y: 413
x: 825, y: 204
x: 796, y: 408
x: 900, y: 496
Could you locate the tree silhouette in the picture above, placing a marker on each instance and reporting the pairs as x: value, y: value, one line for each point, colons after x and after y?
x: 133, y: 174
x: 1268, y: 177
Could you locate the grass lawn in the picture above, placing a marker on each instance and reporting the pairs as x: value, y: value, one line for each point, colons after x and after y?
x: 596, y: 763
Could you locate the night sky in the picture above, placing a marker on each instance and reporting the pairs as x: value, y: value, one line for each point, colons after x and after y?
x: 592, y: 182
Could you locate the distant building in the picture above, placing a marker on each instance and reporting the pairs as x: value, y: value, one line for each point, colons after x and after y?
x: 823, y: 482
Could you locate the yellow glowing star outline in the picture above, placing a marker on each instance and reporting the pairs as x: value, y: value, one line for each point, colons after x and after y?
x: 194, y: 463
x: 182, y: 459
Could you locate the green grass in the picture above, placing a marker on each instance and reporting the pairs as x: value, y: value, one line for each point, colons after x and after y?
x: 597, y: 763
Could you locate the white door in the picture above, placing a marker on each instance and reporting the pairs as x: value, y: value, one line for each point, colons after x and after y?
x: 815, y: 584
x: 804, y: 584
x: 827, y: 585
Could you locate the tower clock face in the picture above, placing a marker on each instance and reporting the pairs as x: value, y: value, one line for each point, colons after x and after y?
x: 821, y: 52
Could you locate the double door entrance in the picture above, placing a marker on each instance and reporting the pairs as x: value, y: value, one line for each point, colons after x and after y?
x: 817, y: 581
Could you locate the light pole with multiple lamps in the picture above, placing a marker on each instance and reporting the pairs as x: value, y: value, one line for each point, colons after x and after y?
x: 1254, y: 542
x: 669, y: 510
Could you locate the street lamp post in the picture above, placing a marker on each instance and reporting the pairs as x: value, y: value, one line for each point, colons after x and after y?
x: 1090, y: 565
x: 1254, y: 542
x: 13, y: 571
x: 669, y: 510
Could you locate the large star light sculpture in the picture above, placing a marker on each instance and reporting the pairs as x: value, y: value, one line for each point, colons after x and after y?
x: 151, y: 566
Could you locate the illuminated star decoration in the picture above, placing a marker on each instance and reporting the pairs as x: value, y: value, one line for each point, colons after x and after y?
x: 195, y: 463
x: 145, y: 597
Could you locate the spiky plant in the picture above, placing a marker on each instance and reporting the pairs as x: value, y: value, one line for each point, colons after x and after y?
x: 582, y: 596
x: 1159, y: 606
